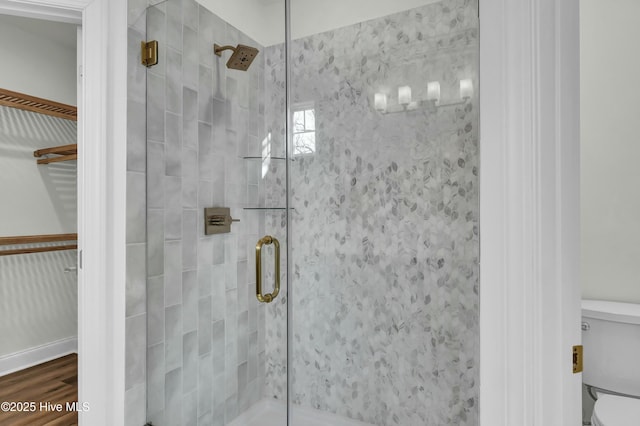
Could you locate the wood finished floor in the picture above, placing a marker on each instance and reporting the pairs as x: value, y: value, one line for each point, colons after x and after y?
x: 55, y: 382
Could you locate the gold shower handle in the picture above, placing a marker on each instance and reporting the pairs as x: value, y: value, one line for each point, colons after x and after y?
x: 267, y: 240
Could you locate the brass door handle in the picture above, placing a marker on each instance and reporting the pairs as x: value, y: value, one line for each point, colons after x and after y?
x: 267, y: 298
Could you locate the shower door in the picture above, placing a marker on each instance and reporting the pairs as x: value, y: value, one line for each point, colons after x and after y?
x: 312, y: 213
x: 384, y: 220
x: 212, y: 144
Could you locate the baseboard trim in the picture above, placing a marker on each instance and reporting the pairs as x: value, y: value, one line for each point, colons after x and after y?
x: 34, y: 356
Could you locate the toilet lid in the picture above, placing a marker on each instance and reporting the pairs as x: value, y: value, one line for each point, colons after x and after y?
x: 611, y: 410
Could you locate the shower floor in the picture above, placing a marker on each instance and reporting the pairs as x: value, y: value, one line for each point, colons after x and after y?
x: 269, y: 412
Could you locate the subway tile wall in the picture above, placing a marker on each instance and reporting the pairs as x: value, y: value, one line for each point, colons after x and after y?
x: 136, y: 276
x: 201, y: 323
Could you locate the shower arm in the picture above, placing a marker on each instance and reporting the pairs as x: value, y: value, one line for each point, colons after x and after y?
x: 219, y: 49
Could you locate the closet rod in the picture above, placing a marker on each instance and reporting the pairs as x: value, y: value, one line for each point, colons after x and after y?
x: 58, y: 159
x: 66, y: 153
x: 30, y: 239
x: 37, y: 250
x: 60, y: 150
x: 33, y: 239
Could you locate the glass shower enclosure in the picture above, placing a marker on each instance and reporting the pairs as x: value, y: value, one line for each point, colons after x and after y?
x: 312, y: 213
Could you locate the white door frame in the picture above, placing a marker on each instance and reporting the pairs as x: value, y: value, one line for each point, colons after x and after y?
x: 529, y: 209
x: 102, y: 140
x: 529, y: 175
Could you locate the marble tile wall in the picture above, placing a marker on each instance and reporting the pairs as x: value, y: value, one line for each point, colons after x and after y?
x: 275, y: 195
x: 205, y: 364
x: 385, y: 227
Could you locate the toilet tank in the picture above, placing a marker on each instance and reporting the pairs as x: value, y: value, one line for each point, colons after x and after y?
x: 611, y: 341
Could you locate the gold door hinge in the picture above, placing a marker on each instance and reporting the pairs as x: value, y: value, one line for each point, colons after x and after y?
x: 149, y: 53
x: 577, y: 359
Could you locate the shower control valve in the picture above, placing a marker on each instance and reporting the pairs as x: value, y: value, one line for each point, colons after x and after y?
x: 218, y: 220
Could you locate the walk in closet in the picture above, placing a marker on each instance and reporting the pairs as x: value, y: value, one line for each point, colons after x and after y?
x: 38, y: 219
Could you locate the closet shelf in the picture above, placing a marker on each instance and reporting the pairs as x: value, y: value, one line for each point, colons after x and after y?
x: 64, y: 153
x: 39, y: 105
x: 33, y: 239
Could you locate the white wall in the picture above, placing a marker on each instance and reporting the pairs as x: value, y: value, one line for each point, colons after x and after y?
x: 38, y: 305
x: 39, y: 59
x: 263, y: 20
x: 38, y: 300
x: 40, y: 199
x: 43, y: 51
x: 610, y: 149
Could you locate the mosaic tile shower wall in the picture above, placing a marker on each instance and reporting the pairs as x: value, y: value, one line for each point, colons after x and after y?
x: 205, y: 328
x: 385, y: 227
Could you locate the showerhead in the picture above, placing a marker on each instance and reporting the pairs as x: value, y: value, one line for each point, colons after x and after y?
x: 241, y: 58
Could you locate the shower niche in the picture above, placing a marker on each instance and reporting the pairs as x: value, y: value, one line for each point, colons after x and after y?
x: 347, y: 293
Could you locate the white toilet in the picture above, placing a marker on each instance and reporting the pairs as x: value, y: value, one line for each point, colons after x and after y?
x: 611, y: 340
